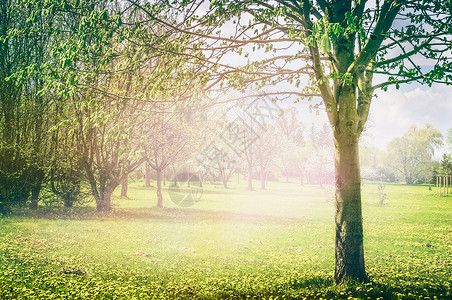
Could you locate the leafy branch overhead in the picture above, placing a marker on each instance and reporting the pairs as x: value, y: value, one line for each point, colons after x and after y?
x: 302, y: 43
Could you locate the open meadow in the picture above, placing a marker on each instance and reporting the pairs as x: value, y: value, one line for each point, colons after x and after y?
x: 232, y: 244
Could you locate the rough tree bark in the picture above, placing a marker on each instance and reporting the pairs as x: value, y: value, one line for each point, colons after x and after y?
x: 103, y: 198
x: 349, y: 230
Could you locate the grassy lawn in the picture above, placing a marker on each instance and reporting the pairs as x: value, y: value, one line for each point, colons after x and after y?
x: 233, y: 244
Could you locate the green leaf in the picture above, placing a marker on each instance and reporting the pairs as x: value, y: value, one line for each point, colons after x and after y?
x: 325, y: 44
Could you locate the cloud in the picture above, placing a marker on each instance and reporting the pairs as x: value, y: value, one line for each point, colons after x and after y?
x: 393, y: 112
x: 424, y: 94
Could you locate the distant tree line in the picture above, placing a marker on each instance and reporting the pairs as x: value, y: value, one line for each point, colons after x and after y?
x: 409, y: 158
x: 83, y: 105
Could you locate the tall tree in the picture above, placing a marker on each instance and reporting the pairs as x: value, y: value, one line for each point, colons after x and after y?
x: 290, y: 160
x: 336, y: 49
x: 449, y: 138
x: 266, y: 151
x: 287, y: 158
x: 26, y: 37
x: 166, y: 139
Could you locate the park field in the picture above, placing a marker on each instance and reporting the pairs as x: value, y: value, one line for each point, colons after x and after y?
x: 232, y: 244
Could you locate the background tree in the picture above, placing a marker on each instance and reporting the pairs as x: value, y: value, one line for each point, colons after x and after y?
x: 411, y: 156
x: 266, y: 151
x: 26, y: 37
x: 445, y: 167
x: 287, y: 158
x: 290, y: 160
x: 66, y: 177
x: 449, y: 138
x: 320, y: 160
x: 166, y: 139
x: 374, y: 165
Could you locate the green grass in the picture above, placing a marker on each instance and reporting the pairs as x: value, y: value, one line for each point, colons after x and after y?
x: 233, y: 244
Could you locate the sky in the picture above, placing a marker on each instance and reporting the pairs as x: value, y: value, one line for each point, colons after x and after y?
x: 395, y: 111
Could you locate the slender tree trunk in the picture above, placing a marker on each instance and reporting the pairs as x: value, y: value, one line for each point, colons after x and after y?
x: 250, y: 179
x: 147, y: 176
x: 287, y: 178
x: 164, y: 178
x: 35, y: 197
x: 301, y: 179
x: 224, y: 179
x: 159, y: 189
x: 35, y: 191
x: 262, y: 180
x: 349, y: 225
x: 124, y: 186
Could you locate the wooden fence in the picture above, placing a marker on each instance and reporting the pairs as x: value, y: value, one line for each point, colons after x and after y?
x: 443, y: 184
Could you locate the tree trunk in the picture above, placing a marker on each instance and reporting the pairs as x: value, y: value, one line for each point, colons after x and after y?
x: 124, y: 186
x: 349, y: 225
x: 408, y: 180
x: 147, y: 176
x: 224, y: 179
x: 301, y: 179
x: 104, y: 203
x: 34, y: 197
x: 250, y: 179
x: 35, y: 191
x: 69, y: 201
x: 159, y: 189
x: 287, y: 178
x: 262, y: 180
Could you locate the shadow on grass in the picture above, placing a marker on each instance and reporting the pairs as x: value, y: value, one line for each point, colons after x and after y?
x: 155, y: 213
x: 317, y: 287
